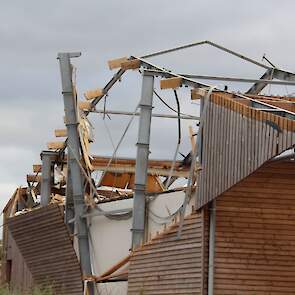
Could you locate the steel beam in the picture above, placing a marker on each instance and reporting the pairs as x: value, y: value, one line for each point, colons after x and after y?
x: 260, y: 85
x: 283, y: 75
x: 212, y: 229
x: 47, y: 158
x: 70, y: 208
x: 222, y: 48
x: 165, y: 116
x: 138, y: 226
x: 192, y: 83
x: 265, y: 79
x: 272, y: 73
x: 73, y: 149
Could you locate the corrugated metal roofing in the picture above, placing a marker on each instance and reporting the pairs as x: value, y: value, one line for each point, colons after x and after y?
x: 44, y: 242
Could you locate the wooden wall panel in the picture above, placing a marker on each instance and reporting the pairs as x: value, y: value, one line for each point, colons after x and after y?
x: 236, y: 140
x: 20, y: 276
x: 255, y: 234
x: 44, y: 242
x: 168, y: 265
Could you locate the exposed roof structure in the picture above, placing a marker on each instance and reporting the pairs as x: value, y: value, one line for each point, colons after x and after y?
x: 236, y: 135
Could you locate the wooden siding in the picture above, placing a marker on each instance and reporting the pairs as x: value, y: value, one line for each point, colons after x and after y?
x: 167, y: 265
x: 19, y: 276
x: 236, y: 140
x: 43, y: 240
x: 255, y: 234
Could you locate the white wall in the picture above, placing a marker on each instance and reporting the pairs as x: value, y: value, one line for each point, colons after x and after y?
x: 111, y: 239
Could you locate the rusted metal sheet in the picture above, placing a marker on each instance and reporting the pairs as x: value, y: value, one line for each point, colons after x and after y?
x: 237, y: 139
x: 168, y: 265
x: 255, y: 233
x: 44, y: 242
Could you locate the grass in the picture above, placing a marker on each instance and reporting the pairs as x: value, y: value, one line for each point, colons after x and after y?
x: 34, y: 291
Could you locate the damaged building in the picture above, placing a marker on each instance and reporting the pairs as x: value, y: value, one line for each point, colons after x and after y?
x: 218, y: 221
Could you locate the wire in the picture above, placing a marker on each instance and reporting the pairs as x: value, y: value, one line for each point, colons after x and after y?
x: 126, y: 215
x: 178, y: 113
x: 120, y: 141
x: 169, y: 107
x: 178, y: 143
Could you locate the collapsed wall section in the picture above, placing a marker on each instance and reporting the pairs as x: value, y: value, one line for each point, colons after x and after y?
x: 45, y: 244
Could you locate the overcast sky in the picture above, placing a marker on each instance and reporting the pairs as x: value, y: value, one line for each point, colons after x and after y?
x: 32, y: 32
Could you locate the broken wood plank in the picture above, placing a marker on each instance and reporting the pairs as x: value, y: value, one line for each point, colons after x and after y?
x: 192, y: 138
x: 171, y: 83
x: 37, y: 168
x: 55, y: 145
x: 91, y: 94
x: 16, y: 198
x: 131, y: 64
x: 61, y: 132
x: 34, y: 178
x: 116, y: 266
x: 116, y: 63
x: 121, y: 275
x: 85, y: 105
x: 151, y: 171
x: 198, y: 93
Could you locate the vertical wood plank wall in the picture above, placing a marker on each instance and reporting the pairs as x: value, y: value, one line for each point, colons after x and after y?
x: 168, y: 265
x: 255, y: 234
x: 20, y: 276
x: 237, y: 139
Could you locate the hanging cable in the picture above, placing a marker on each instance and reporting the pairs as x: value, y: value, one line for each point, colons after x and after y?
x: 125, y: 215
x: 178, y: 143
x: 169, y: 107
x: 178, y: 113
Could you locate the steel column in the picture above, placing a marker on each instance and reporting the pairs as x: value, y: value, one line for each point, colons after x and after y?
x: 70, y: 209
x: 212, y: 227
x: 76, y: 177
x: 138, y: 226
x: 212, y: 210
x: 47, y: 158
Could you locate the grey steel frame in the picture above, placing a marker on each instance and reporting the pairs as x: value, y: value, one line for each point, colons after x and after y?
x: 211, y: 262
x: 138, y: 226
x: 164, y: 116
x: 76, y: 177
x: 48, y: 158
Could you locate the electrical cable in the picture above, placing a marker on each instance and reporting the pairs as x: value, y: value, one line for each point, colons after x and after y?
x: 169, y: 107
x: 178, y: 113
x: 108, y: 215
x: 165, y: 217
x: 178, y: 143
